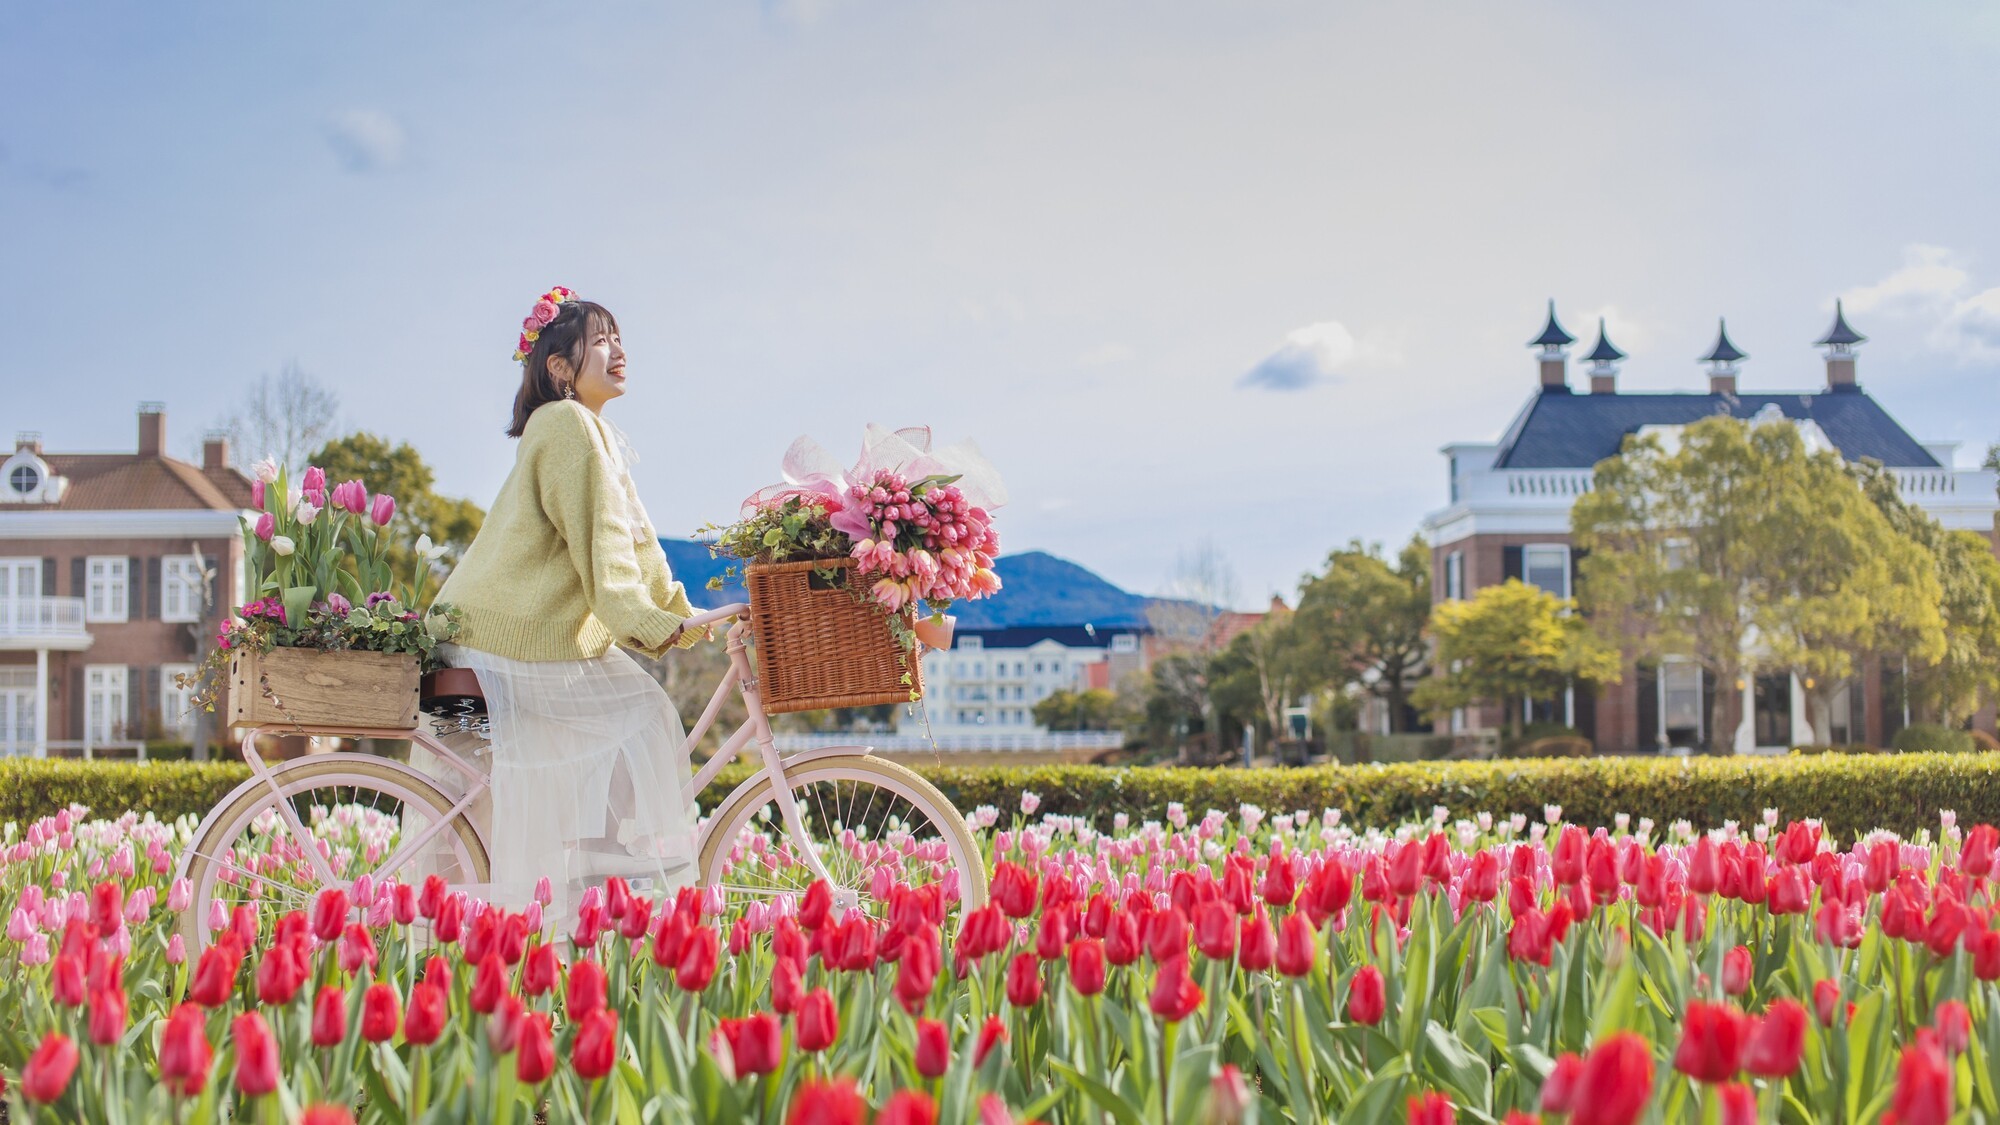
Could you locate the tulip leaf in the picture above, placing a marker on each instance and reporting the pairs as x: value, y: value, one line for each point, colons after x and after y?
x: 1459, y: 1068
x: 1618, y: 1002
x: 1381, y: 1097
x: 1864, y: 1030
x: 1417, y: 969
x: 1121, y: 1110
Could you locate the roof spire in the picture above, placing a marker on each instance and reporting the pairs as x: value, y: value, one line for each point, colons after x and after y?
x: 1605, y: 353
x: 1724, y: 355
x: 1553, y: 339
x: 1840, y: 339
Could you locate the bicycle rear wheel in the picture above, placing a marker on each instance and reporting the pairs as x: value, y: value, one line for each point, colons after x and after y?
x: 357, y: 808
x: 865, y: 815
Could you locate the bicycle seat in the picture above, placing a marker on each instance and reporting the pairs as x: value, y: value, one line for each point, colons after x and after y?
x: 451, y: 691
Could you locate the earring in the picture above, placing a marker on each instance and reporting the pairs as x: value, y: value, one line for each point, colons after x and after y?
x: 569, y: 389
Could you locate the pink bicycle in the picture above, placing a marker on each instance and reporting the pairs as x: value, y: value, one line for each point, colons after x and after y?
x: 299, y: 826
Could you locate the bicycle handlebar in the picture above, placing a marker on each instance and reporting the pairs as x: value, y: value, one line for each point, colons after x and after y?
x: 725, y: 613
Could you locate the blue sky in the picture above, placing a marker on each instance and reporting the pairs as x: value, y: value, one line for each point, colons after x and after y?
x: 1184, y: 270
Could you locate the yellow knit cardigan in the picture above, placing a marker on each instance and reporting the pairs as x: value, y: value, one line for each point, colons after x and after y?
x: 564, y: 566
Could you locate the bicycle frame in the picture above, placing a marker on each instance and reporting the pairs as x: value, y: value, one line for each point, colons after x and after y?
x: 756, y: 729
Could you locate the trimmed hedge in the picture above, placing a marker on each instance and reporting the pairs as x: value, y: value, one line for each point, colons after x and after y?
x: 1851, y: 794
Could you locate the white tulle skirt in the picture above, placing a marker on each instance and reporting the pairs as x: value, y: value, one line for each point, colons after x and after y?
x: 589, y: 762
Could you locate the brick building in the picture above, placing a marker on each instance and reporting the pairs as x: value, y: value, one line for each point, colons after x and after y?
x: 111, y: 566
x: 1507, y: 516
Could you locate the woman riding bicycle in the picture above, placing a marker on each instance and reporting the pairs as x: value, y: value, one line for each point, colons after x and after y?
x: 589, y: 757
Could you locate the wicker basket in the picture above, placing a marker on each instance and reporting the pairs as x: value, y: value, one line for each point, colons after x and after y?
x: 818, y: 646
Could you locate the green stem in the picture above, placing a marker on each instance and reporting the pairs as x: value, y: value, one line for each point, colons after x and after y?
x: 1168, y: 1033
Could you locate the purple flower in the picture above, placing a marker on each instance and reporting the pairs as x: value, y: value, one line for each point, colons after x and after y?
x: 378, y: 597
x: 338, y: 604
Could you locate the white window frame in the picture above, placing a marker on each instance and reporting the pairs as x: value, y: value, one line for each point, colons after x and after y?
x: 107, y: 588
x: 1454, y: 574
x: 104, y: 701
x: 1545, y: 548
x: 1124, y: 642
x: 180, y: 588
x: 176, y: 709
x: 972, y: 644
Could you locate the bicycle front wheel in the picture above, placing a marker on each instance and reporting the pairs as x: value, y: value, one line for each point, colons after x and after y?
x: 356, y: 810
x: 870, y: 821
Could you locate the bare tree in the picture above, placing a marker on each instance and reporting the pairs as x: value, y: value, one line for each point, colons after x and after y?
x: 1185, y: 619
x: 283, y: 418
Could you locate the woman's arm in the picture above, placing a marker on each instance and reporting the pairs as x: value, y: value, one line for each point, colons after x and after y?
x: 585, y: 499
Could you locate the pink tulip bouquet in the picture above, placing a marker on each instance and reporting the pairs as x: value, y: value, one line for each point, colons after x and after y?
x: 316, y: 559
x: 915, y: 520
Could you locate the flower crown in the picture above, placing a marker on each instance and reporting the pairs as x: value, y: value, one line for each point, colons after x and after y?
x: 544, y: 311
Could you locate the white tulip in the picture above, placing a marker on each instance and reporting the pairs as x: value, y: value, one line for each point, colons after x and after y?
x: 305, y: 512
x: 282, y: 544
x: 266, y: 470
x: 427, y: 550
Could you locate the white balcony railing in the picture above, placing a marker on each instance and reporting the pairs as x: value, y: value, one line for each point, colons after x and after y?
x: 58, y: 618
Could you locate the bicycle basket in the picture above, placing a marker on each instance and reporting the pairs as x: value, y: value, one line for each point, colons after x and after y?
x: 819, y: 647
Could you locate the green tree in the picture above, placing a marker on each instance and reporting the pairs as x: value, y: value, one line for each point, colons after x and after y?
x: 1965, y: 668
x: 1365, y: 615
x: 400, y: 472
x: 1090, y: 709
x: 1511, y: 642
x: 1740, y: 547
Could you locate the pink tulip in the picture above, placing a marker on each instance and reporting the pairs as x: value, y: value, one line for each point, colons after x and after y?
x: 267, y: 524
x: 383, y: 511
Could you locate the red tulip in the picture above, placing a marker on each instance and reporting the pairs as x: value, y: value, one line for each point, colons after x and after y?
x: 1975, y: 858
x: 357, y: 948
x: 534, y: 1048
x: 1568, y: 859
x: 990, y: 1036
x: 1328, y: 890
x: 66, y: 981
x: 1739, y: 1104
x: 1826, y: 994
x: 329, y: 1022
x: 699, y: 955
x: 1167, y: 935
x: 107, y: 907
x: 1616, y: 1083
x: 1024, y: 980
x: 1529, y: 938
x: 818, y: 1021
x: 1086, y: 965
x: 907, y: 1107
x: 1013, y: 888
x: 1736, y: 970
x: 503, y: 1027
x: 1791, y: 891
x: 1229, y: 1097
x: 1175, y: 995
x: 47, y: 1072
x: 184, y: 1052
x: 787, y: 986
x: 750, y: 1045
x: 1366, y: 999
x: 1432, y: 1109
x: 1984, y: 945
x: 1296, y: 947
x: 1559, y: 1092
x: 1256, y: 942
x: 855, y: 952
x: 1954, y: 1021
x: 1215, y: 930
x: 1923, y: 1085
x: 1281, y: 882
x: 586, y: 993
x: 933, y: 1049
x: 1704, y: 874
x: 424, y: 1021
x: 542, y: 971
x: 837, y: 1102
x: 329, y: 916
x: 489, y: 984
x: 256, y: 1054
x: 380, y: 1012
x: 1777, y: 1040
x: 107, y: 1016
x: 326, y: 1115
x: 1121, y: 939
x: 1405, y: 868
x: 450, y: 921
x: 1712, y: 1037
x: 595, y: 1051
x: 1482, y: 877
x: 280, y: 974
x: 817, y: 904
x: 1437, y: 858
x: 1884, y: 860
x: 215, y: 974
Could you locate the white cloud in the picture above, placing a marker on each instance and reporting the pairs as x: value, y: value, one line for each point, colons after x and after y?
x: 1103, y: 355
x: 366, y: 140
x: 1934, y: 287
x: 1318, y: 353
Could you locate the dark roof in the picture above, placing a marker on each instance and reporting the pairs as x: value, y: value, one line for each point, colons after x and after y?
x: 1840, y: 334
x: 1605, y: 351
x: 1070, y: 636
x: 1578, y: 431
x: 1723, y: 351
x: 1552, y: 335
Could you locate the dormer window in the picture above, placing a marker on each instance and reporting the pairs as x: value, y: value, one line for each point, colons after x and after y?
x: 24, y: 479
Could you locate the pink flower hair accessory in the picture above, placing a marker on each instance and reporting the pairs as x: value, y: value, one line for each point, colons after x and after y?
x: 538, y: 318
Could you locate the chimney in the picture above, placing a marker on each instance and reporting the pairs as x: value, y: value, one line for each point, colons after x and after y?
x: 215, y: 451
x: 1604, y: 363
x: 1553, y: 343
x: 1722, y: 360
x: 152, y: 429
x: 1839, y: 343
x: 28, y: 441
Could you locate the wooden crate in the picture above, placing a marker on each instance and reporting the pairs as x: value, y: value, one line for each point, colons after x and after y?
x: 314, y: 688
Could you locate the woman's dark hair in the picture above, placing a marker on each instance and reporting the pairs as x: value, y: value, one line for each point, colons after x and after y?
x: 576, y: 323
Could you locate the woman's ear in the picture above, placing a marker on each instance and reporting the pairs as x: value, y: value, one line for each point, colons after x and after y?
x: 560, y: 369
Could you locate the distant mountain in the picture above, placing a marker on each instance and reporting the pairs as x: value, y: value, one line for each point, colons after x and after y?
x: 1037, y: 588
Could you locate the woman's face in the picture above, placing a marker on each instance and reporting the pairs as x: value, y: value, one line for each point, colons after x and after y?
x: 601, y: 378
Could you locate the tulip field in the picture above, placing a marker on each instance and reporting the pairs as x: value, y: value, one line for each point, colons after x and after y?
x: 1234, y: 966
